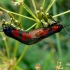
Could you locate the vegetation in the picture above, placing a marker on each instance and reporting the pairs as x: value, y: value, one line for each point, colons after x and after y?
x: 51, y: 53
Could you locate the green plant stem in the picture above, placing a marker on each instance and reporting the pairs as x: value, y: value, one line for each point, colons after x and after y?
x: 7, y: 47
x: 20, y: 58
x: 48, y: 58
x: 18, y: 68
x: 33, y: 2
x: 20, y: 12
x: 29, y: 11
x: 61, y: 14
x: 17, y: 14
x: 50, y: 5
x: 43, y: 3
x: 15, y: 49
x: 59, y: 46
x: 38, y: 24
x: 31, y: 27
x: 57, y: 35
x: 17, y: 43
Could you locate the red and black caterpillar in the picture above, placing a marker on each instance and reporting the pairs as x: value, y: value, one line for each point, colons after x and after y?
x: 33, y: 36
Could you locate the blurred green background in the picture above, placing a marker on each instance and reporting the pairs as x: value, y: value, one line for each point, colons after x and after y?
x: 46, y: 52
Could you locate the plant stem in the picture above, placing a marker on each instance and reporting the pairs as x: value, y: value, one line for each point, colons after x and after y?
x: 31, y: 27
x: 50, y: 5
x: 43, y: 3
x: 15, y: 49
x: 47, y: 61
x: 61, y: 14
x: 57, y: 35
x: 29, y: 11
x: 59, y: 46
x: 7, y: 48
x: 20, y: 58
x: 20, y: 12
x: 17, y: 14
x: 33, y: 2
x: 18, y: 68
